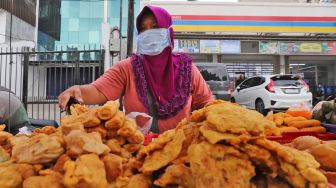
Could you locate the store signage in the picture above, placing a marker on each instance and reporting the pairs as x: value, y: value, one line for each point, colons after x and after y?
x: 189, y: 45
x: 329, y: 48
x: 210, y: 46
x: 230, y: 46
x: 268, y: 47
x: 311, y: 47
x: 289, y: 47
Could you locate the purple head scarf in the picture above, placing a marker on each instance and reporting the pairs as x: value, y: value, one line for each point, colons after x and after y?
x: 168, y: 74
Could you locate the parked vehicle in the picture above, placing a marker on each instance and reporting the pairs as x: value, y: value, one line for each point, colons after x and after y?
x: 217, y: 77
x: 278, y: 92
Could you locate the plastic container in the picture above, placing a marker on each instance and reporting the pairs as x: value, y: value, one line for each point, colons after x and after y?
x: 288, y: 137
x: 330, y: 127
x: 149, y: 138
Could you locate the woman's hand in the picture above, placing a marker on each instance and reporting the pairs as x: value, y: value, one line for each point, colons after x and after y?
x: 64, y: 97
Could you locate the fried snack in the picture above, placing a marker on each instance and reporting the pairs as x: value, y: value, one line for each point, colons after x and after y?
x: 90, y: 119
x: 99, y: 129
x: 177, y: 174
x: 121, y: 140
x: 288, y: 129
x: 58, y: 167
x: 305, y: 123
x: 67, y: 128
x: 70, y: 119
x: 132, y: 147
x: 125, y: 154
x: 228, y: 117
x: 291, y: 174
x: 108, y: 110
x: 46, y: 130
x: 114, y: 146
x: 288, y: 120
x: 110, y: 133
x: 301, y: 160
x: 136, y: 138
x: 278, y: 119
x: 86, y: 171
x: 157, y: 144
x: 217, y: 166
x: 40, y: 148
x: 78, y: 109
x: 2, y: 127
x: 43, y: 181
x: 262, y: 158
x: 325, y: 155
x: 139, y: 181
x: 318, y: 129
x: 4, y: 156
x: 113, y: 166
x: 162, y: 157
x: 116, y: 121
x: 270, y: 116
x: 214, y: 137
x: 9, y: 177
x: 78, y: 142
x: 305, y: 142
x: 128, y: 129
x: 26, y: 170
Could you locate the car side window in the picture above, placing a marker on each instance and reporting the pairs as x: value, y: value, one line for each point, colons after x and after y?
x: 246, y: 84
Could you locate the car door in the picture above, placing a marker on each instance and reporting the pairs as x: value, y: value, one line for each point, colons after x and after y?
x: 253, y: 92
x: 242, y: 92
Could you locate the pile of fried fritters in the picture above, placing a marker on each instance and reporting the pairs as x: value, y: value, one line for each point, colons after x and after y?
x: 220, y: 145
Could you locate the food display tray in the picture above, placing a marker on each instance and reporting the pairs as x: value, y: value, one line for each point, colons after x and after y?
x: 288, y: 137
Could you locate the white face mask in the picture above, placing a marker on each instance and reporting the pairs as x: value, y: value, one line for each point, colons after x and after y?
x: 153, y: 41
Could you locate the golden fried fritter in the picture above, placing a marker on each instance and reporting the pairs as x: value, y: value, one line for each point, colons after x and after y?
x: 58, y: 167
x: 78, y: 109
x: 114, y: 146
x: 99, y: 129
x: 49, y: 181
x: 157, y: 144
x: 79, y: 142
x: 128, y: 129
x: 162, y: 157
x: 26, y: 170
x: 4, y: 156
x: 108, y: 110
x: 90, y: 119
x: 116, y: 122
x: 219, y: 166
x: 9, y: 177
x: 87, y: 172
x: 136, y: 138
x: 132, y: 147
x: 113, y: 166
x: 67, y: 128
x: 177, y: 174
x: 40, y: 148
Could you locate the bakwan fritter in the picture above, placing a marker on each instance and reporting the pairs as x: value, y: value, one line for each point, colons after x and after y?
x: 220, y: 145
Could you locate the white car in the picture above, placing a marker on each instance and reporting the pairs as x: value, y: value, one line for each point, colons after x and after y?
x: 263, y: 93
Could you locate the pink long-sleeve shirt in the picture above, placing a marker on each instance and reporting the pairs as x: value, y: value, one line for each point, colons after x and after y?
x: 119, y: 81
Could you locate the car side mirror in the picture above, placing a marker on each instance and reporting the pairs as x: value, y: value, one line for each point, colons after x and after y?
x: 238, y: 88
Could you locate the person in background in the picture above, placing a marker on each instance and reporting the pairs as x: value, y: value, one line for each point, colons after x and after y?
x: 155, y: 81
x: 12, y: 112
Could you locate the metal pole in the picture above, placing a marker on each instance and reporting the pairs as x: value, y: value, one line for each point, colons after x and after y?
x: 130, y: 27
x: 120, y: 28
x: 10, y: 65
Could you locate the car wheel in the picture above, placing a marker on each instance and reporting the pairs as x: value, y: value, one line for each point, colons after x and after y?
x: 233, y: 100
x: 260, y: 107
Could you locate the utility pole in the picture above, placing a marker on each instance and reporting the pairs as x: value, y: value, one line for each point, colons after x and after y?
x: 130, y: 27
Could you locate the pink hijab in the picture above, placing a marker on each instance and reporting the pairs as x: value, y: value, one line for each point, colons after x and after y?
x: 168, y: 74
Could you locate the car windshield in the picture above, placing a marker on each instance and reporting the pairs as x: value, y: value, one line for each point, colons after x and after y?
x: 287, y: 81
x: 213, y: 73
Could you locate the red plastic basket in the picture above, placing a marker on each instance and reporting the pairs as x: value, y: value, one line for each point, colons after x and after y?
x: 149, y: 138
x: 288, y: 137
